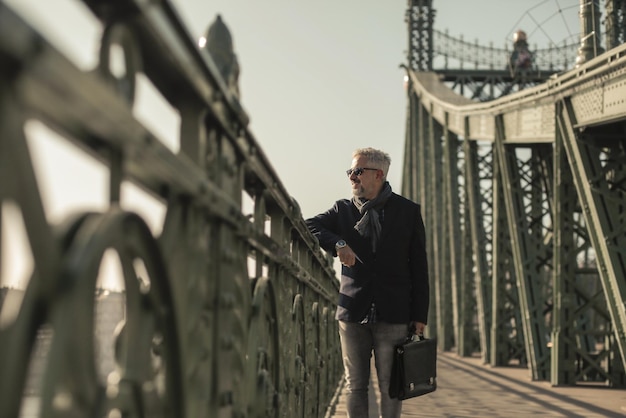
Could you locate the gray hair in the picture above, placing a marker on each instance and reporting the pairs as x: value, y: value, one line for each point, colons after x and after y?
x: 379, y: 159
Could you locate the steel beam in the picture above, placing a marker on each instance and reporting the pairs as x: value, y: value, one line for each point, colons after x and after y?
x: 452, y: 248
x: 523, y: 194
x: 435, y: 214
x: 507, y: 332
x: 478, y: 171
x: 578, y: 321
x: 597, y: 160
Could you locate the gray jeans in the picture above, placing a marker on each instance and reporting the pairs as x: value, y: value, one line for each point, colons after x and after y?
x: 357, y: 343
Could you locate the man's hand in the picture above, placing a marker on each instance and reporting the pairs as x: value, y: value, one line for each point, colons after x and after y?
x: 418, y: 327
x: 346, y: 256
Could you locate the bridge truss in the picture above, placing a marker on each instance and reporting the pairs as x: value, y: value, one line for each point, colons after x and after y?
x: 525, y: 200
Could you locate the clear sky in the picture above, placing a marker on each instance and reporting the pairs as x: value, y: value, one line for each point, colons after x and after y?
x: 318, y: 79
x: 321, y: 78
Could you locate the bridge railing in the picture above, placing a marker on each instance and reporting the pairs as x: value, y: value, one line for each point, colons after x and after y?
x: 227, y: 304
x: 452, y: 52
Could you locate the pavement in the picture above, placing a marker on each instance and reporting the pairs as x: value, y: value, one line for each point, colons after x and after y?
x: 466, y: 388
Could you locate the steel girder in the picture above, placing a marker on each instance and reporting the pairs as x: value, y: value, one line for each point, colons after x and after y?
x: 597, y: 157
x: 468, y: 341
x: 466, y: 335
x: 431, y: 165
x: 507, y: 332
x: 434, y: 165
x: 423, y: 194
x: 437, y: 220
x: 452, y: 248
x: 485, y: 85
x: 410, y: 184
x: 527, y: 197
x: 478, y: 177
x: 581, y: 321
x: 416, y: 184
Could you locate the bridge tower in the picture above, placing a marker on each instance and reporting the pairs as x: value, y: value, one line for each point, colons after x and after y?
x: 615, y: 23
x: 590, y: 31
x: 420, y: 17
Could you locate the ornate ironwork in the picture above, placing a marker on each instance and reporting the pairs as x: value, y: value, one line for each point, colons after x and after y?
x: 223, y: 312
x: 420, y: 17
x: 457, y: 53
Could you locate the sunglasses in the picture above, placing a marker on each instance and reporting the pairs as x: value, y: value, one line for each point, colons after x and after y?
x: 358, y: 171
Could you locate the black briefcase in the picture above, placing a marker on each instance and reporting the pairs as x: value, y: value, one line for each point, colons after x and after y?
x: 414, y: 371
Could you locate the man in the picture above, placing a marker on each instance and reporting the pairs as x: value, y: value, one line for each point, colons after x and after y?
x: 379, y: 238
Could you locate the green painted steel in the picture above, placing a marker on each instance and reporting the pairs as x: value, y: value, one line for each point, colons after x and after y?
x: 573, y: 331
x: 420, y: 19
x: 452, y: 248
x: 227, y: 307
x: 435, y: 201
x: 507, y: 333
x: 478, y: 171
x: 524, y: 197
x: 599, y: 169
x: 541, y: 215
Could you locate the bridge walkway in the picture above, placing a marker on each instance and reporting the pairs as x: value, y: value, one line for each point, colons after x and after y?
x: 467, y: 388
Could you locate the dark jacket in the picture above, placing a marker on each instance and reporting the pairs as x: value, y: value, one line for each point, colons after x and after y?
x: 395, y: 278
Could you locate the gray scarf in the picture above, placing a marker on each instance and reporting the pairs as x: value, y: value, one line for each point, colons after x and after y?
x: 369, y: 224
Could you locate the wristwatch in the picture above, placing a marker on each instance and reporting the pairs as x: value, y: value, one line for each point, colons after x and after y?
x: 340, y: 244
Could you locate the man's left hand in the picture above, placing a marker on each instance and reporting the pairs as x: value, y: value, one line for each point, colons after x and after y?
x: 418, y: 327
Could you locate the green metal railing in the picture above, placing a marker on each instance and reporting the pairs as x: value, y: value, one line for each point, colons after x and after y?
x: 228, y: 310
